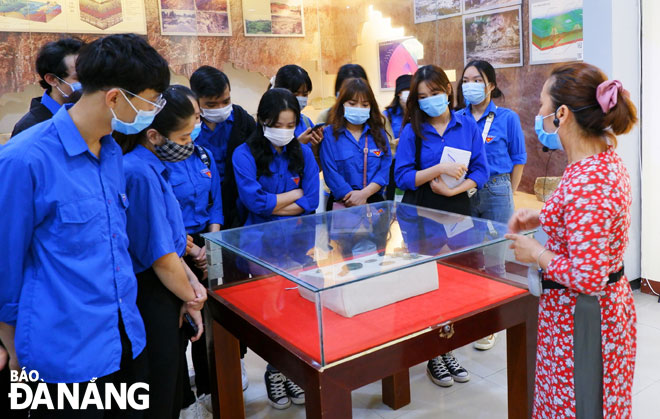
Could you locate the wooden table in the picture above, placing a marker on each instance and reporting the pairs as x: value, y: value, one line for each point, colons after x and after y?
x: 328, y: 389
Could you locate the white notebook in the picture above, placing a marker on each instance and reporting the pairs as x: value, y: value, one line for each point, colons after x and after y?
x: 454, y: 155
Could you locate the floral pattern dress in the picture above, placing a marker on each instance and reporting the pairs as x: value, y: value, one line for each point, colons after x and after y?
x: 587, y: 221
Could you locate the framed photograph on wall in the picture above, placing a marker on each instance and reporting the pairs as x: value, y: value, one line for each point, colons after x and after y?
x: 396, y: 58
x: 195, y: 17
x: 472, y: 6
x: 494, y: 36
x: 556, y: 31
x: 273, y: 18
x: 429, y: 10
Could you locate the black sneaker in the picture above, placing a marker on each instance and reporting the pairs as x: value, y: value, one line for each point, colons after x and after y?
x: 295, y: 393
x: 276, y: 390
x: 457, y: 372
x: 438, y: 373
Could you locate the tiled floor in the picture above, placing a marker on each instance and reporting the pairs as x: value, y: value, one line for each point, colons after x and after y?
x: 485, y: 395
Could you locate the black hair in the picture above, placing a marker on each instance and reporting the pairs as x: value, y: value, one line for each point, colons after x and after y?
x: 402, y: 83
x: 50, y: 59
x: 272, y: 103
x: 177, y: 109
x: 487, y: 73
x: 349, y: 71
x: 126, y: 61
x: 293, y: 77
x: 208, y: 81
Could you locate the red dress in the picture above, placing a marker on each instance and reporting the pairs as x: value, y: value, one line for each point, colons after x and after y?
x: 587, y: 221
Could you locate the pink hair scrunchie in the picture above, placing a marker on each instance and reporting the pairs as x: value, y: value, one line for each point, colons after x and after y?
x: 606, y: 94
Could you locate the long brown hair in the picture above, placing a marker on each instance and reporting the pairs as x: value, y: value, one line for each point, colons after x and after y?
x: 575, y: 85
x: 357, y: 89
x: 435, y: 78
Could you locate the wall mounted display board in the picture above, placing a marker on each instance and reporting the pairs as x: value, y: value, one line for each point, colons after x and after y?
x: 494, y: 36
x: 472, y: 6
x: 429, y: 10
x: 73, y: 16
x: 396, y: 58
x: 195, y: 17
x: 556, y: 31
x: 273, y: 18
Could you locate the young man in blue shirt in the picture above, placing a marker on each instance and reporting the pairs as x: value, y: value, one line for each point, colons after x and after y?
x: 68, y: 290
x: 56, y: 65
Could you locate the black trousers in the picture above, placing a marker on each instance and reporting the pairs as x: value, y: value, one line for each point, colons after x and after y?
x: 160, y: 311
x: 130, y: 371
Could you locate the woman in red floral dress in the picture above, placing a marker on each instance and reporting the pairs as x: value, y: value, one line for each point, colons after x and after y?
x: 587, y: 335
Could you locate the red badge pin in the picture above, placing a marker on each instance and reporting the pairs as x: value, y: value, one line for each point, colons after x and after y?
x: 296, y: 180
x: 489, y: 139
x: 377, y: 152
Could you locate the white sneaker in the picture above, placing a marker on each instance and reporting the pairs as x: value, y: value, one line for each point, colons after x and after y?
x: 486, y: 343
x: 195, y: 411
x: 244, y: 377
x: 207, y: 402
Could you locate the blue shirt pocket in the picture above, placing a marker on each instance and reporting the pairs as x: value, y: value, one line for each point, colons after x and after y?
x: 78, y: 223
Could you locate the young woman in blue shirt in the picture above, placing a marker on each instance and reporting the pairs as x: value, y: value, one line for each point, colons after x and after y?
x: 394, y: 112
x: 355, y: 154
x: 505, y: 150
x: 167, y: 289
x: 296, y: 80
x: 503, y: 138
x: 431, y: 126
x: 277, y: 178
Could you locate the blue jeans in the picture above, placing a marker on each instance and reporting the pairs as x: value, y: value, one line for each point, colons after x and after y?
x: 495, y: 200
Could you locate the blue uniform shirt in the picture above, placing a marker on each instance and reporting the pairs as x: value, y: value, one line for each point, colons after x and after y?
x: 194, y: 185
x: 396, y: 120
x: 155, y: 225
x: 342, y: 159
x: 258, y: 196
x: 505, y: 143
x: 65, y: 266
x: 50, y: 103
x: 461, y: 132
x: 216, y: 141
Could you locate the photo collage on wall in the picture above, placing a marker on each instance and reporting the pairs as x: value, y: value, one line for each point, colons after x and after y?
x: 492, y: 29
x: 195, y: 17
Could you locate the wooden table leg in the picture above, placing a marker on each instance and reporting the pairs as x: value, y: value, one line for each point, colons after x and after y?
x: 326, y: 399
x: 226, y: 368
x: 396, y: 389
x: 521, y: 358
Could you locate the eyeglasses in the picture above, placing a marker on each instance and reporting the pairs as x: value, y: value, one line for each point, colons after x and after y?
x: 158, y: 104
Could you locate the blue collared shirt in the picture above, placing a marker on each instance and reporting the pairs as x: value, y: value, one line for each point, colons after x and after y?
x: 216, y: 141
x: 50, y: 103
x: 258, y: 195
x: 154, y: 225
x: 396, y: 120
x: 342, y: 160
x: 461, y: 132
x: 65, y: 267
x: 197, y: 188
x: 505, y: 143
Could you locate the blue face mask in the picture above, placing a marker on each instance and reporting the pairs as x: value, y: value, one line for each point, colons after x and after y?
x: 195, y: 132
x: 548, y: 139
x: 356, y: 116
x: 142, y: 118
x: 474, y: 93
x: 434, y: 105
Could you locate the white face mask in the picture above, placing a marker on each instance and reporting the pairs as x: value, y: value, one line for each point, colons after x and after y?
x: 279, y: 137
x: 217, y: 115
x: 302, y: 101
x: 404, y: 96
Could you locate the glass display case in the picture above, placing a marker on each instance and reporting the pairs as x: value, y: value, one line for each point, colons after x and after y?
x: 335, y: 285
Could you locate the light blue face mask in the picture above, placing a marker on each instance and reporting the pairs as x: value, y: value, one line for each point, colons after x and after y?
x: 474, y: 93
x: 142, y: 118
x: 195, y: 132
x: 356, y: 116
x: 548, y: 139
x: 74, y: 87
x: 434, y: 105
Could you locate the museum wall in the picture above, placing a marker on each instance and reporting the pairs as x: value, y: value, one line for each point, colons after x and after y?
x: 336, y: 32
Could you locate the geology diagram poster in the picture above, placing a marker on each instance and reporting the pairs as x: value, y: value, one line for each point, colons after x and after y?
x: 396, y: 58
x: 429, y: 10
x: 73, y: 16
x: 195, y: 17
x: 273, y: 18
x: 556, y: 31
